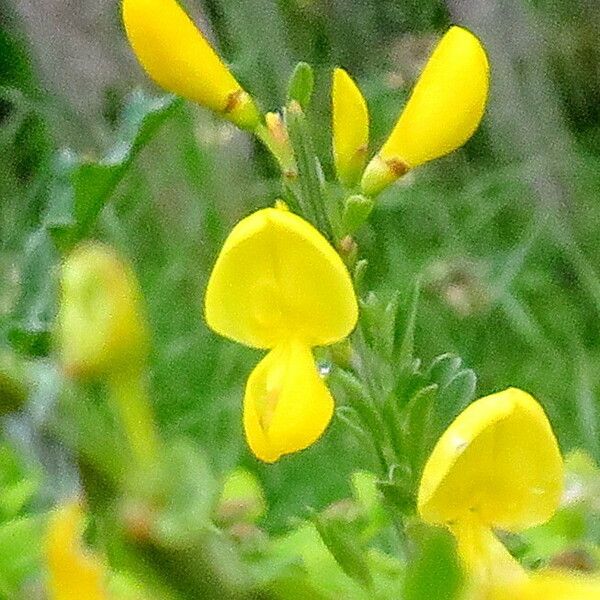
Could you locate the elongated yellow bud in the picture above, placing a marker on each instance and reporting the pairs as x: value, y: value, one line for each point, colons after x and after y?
x: 101, y: 329
x: 442, y: 113
x: 350, y: 128
x: 178, y: 58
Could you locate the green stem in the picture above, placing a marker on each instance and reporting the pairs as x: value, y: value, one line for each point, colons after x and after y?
x: 129, y: 394
x: 309, y: 183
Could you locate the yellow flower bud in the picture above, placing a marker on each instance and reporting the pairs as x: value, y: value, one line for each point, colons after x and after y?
x: 278, y: 285
x: 100, y: 327
x: 350, y: 128
x: 74, y: 573
x: 442, y: 113
x: 178, y: 58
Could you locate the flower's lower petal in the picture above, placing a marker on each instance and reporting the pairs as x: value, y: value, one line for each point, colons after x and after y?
x: 287, y: 406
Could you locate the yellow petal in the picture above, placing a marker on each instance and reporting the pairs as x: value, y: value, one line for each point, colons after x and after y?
x: 350, y: 128
x: 542, y: 585
x: 499, y: 461
x: 557, y: 585
x: 278, y: 278
x: 178, y: 58
x: 100, y: 325
x: 492, y: 571
x: 287, y: 406
x: 73, y: 573
x: 442, y: 113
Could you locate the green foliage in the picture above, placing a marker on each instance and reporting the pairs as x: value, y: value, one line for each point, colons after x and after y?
x: 434, y: 572
x: 301, y: 85
x: 466, y: 265
x: 82, y: 187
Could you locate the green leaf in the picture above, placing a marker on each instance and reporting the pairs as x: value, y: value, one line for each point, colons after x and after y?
x: 18, y: 484
x: 83, y: 186
x: 301, y: 85
x: 343, y: 545
x: 13, y: 390
x: 379, y: 317
x: 242, y: 498
x: 292, y: 583
x: 435, y: 571
x: 406, y: 348
x: 186, y: 480
x: 454, y: 397
x: 360, y: 270
x: 29, y: 332
x: 307, y: 187
x: 419, y: 416
x: 357, y: 209
x: 443, y: 369
x: 20, y: 550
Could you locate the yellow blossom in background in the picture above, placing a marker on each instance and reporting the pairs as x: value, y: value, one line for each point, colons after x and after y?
x: 176, y: 55
x: 102, y: 334
x: 278, y: 285
x: 73, y: 572
x: 498, y: 466
x: 442, y: 113
x: 350, y: 118
x: 100, y: 325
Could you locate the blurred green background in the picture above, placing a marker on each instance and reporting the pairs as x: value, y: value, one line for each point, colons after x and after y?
x: 503, y: 233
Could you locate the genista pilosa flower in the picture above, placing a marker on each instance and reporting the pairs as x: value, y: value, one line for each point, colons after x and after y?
x: 73, y: 572
x: 278, y: 285
x: 350, y: 128
x: 442, y: 113
x: 498, y: 466
x: 101, y: 328
x: 178, y: 58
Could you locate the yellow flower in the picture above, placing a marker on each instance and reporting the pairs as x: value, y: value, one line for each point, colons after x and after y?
x: 442, y: 113
x: 498, y: 466
x: 74, y: 574
x: 178, y: 58
x: 278, y: 285
x: 556, y: 585
x: 100, y: 324
x: 350, y: 128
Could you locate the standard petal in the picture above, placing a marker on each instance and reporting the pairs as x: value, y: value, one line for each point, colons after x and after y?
x: 350, y: 128
x: 278, y: 278
x: 442, y: 113
x: 498, y: 462
x: 178, y: 58
x: 287, y: 406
